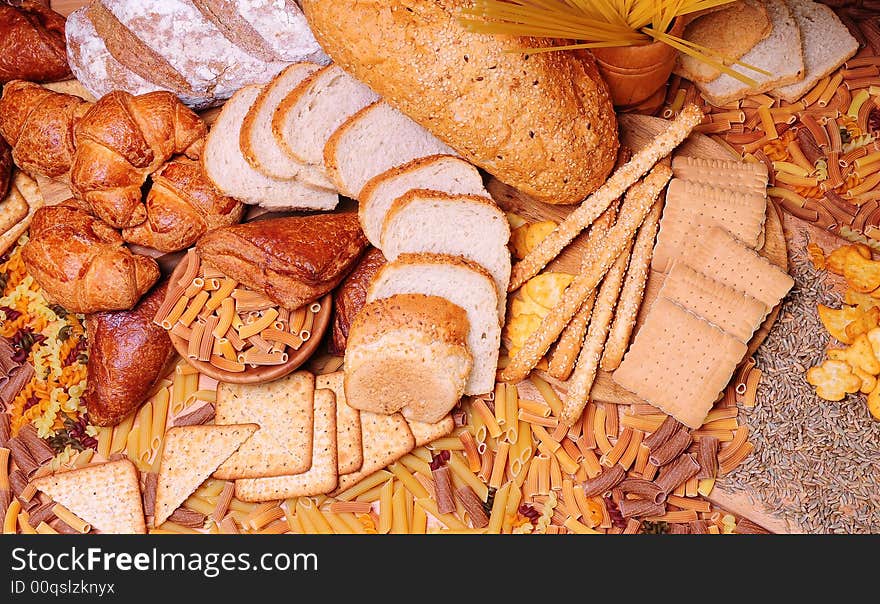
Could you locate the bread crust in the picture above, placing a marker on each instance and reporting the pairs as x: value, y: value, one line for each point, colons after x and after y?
x: 351, y: 296
x: 438, y: 318
x: 32, y: 43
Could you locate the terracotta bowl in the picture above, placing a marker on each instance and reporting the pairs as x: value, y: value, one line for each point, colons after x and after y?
x: 264, y: 373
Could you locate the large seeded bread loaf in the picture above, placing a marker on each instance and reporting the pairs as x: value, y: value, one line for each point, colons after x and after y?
x: 408, y: 353
x: 463, y: 283
x: 469, y: 226
x: 542, y: 123
x: 444, y: 173
x: 230, y: 172
x: 372, y: 141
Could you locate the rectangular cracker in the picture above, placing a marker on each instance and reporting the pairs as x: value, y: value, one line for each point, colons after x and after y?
x: 725, y: 173
x: 679, y: 362
x: 13, y: 209
x: 426, y: 433
x: 284, y: 411
x: 386, y: 439
x: 725, y: 259
x: 26, y: 188
x: 320, y: 478
x: 728, y: 309
x: 348, y: 424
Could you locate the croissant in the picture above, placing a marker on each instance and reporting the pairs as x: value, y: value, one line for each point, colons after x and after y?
x: 82, y: 263
x: 120, y: 141
x: 32, y: 45
x: 182, y: 205
x: 38, y: 124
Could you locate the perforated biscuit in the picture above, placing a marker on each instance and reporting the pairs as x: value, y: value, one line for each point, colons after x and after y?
x: 721, y: 172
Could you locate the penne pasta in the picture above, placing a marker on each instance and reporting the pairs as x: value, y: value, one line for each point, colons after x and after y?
x: 374, y: 479
x: 105, y: 440
x: 145, y: 432
x: 120, y: 434
x: 499, y: 506
x: 398, y: 511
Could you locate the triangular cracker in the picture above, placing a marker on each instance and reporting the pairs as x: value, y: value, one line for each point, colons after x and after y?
x: 386, y: 438
x: 426, y: 433
x: 107, y: 495
x: 320, y: 478
x: 348, y: 424
x: 190, y: 456
x: 284, y: 411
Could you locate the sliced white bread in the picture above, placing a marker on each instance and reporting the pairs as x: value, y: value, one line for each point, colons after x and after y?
x: 226, y: 167
x: 445, y: 173
x: 312, y: 112
x: 408, y: 353
x: 260, y: 148
x: 780, y: 54
x: 469, y: 226
x: 463, y: 283
x: 372, y: 141
x: 827, y: 43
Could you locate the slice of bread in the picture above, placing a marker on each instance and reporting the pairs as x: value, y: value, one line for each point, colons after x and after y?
x: 445, y: 173
x: 372, y: 141
x: 463, y: 283
x: 827, y: 44
x: 226, y: 167
x: 408, y: 353
x: 260, y: 148
x: 312, y: 111
x: 780, y: 53
x: 469, y: 226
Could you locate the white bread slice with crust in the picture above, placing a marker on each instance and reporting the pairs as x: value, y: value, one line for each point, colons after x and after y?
x: 260, y: 148
x: 463, y: 283
x: 408, y: 353
x: 372, y: 141
x: 827, y: 45
x: 312, y: 112
x: 226, y: 167
x: 469, y: 226
x: 445, y: 173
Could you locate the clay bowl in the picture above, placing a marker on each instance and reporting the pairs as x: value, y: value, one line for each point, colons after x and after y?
x: 264, y: 373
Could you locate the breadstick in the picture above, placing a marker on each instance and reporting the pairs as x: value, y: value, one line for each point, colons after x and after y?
x: 588, y: 361
x: 637, y: 203
x: 595, y: 204
x: 633, y: 291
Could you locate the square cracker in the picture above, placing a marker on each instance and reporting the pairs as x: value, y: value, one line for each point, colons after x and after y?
x: 725, y: 259
x: 386, y: 439
x: 426, y: 433
x: 107, y: 495
x: 725, y: 173
x: 284, y: 411
x: 679, y: 362
x: 728, y: 309
x: 348, y: 424
x: 320, y: 478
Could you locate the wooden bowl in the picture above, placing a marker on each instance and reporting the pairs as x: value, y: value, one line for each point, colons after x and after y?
x: 264, y: 373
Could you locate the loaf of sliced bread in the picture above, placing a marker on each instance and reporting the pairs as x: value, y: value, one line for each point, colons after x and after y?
x: 372, y: 141
x: 408, y: 353
x: 261, y: 149
x: 230, y: 172
x: 469, y: 226
x: 463, y: 283
x: 312, y: 111
x: 445, y: 173
x: 827, y: 43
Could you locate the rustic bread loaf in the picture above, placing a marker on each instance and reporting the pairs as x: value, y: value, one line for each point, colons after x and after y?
x: 463, y: 283
x: 542, y: 123
x: 372, y: 141
x: 444, y: 173
x: 408, y: 353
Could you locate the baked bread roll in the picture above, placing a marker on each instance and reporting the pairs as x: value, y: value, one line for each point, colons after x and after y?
x: 82, y: 263
x: 293, y: 260
x: 542, y: 123
x: 408, y: 353
x: 32, y: 43
x: 350, y: 297
x: 128, y: 354
x: 182, y: 205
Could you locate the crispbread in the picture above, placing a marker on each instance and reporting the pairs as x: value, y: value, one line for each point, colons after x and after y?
x: 25, y: 187
x: 728, y: 309
x: 725, y: 173
x: 284, y: 411
x: 190, y: 455
x: 386, y: 439
x: 320, y: 478
x: 13, y: 209
x: 425, y: 433
x: 107, y: 495
x: 348, y: 424
x: 733, y: 264
x: 679, y: 362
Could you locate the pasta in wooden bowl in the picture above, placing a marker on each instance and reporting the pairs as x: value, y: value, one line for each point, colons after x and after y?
x: 235, y: 334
